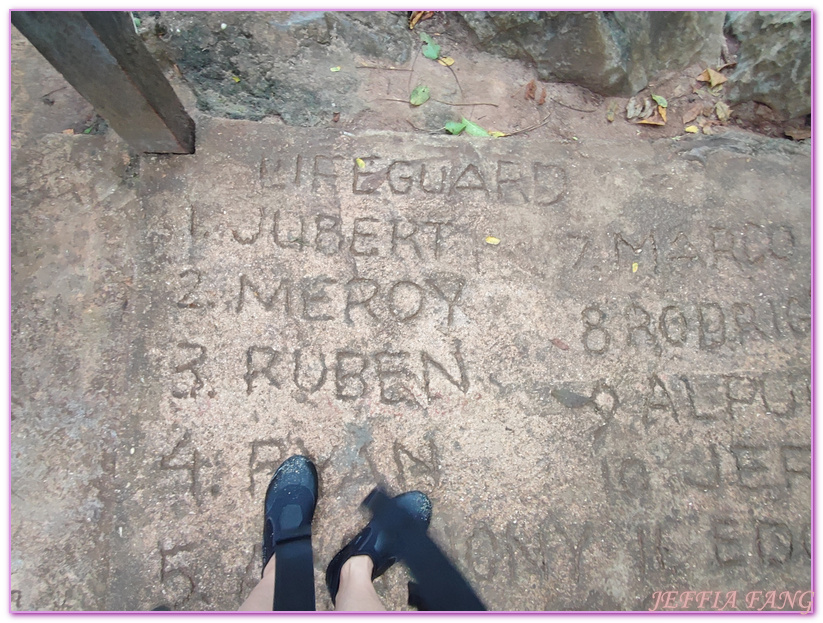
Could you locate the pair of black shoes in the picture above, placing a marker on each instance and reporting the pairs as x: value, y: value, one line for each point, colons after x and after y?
x: 289, y: 508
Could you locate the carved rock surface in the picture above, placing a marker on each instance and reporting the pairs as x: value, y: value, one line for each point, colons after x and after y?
x: 613, y: 53
x: 774, y: 59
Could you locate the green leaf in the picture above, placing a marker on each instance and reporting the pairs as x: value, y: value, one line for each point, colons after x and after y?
x: 472, y: 129
x: 420, y: 95
x: 87, y: 131
x: 660, y: 100
x: 136, y: 22
x: 455, y: 127
x: 431, y: 50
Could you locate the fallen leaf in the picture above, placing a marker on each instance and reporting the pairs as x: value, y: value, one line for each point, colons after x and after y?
x: 680, y: 90
x: 335, y: 69
x: 431, y: 49
x: 87, y: 131
x: 723, y: 111
x: 646, y: 109
x: 691, y: 129
x: 707, y: 130
x: 632, y: 108
x: 531, y: 89
x: 472, y: 129
x: 446, y: 61
x: 660, y: 101
x: 613, y: 106
x: 560, y: 344
x: 635, y: 266
x: 661, y: 110
x: 692, y: 113
x: 712, y: 77
x: 69, y: 131
x: 492, y: 240
x: 798, y: 134
x: 655, y: 120
x: 497, y: 134
x: 716, y: 91
x: 542, y: 99
x: 235, y: 78
x: 455, y: 127
x: 420, y: 95
x: 360, y: 163
x: 335, y: 117
x: 418, y: 16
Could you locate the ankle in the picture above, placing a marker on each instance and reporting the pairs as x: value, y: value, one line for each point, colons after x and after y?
x: 357, y: 569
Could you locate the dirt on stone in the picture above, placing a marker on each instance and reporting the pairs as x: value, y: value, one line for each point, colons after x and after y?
x: 280, y: 66
x: 333, y: 70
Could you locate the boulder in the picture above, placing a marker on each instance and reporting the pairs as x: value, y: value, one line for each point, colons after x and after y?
x: 774, y: 60
x: 253, y: 65
x: 609, y: 52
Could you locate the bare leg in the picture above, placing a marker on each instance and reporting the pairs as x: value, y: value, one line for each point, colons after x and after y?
x: 262, y: 596
x: 356, y: 592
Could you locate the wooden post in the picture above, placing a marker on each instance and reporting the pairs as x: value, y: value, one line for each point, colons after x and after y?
x: 102, y: 57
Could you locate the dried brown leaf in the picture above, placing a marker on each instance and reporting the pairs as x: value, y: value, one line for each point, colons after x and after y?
x: 418, y: 16
x: 649, y: 108
x: 656, y: 119
x: 531, y: 89
x: 612, y: 110
x: 692, y: 113
x: 723, y: 111
x: 560, y: 344
x: 712, y: 77
x: 542, y: 99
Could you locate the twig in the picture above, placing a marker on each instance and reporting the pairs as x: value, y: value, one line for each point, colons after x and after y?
x: 572, y: 107
x: 411, y: 75
x: 383, y: 68
x: 437, y: 131
x: 530, y: 128
x: 55, y: 91
x: 395, y: 99
x: 449, y: 67
x: 466, y: 104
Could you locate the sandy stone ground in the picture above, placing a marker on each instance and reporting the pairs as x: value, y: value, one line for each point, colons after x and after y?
x: 591, y: 351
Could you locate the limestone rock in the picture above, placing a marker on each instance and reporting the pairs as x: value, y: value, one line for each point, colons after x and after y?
x: 774, y: 60
x: 610, y: 52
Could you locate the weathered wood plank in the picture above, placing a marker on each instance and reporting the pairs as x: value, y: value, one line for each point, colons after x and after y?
x: 102, y: 57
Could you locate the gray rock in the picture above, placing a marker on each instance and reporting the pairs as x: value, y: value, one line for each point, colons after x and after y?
x: 377, y: 34
x: 258, y: 67
x: 613, y: 53
x: 774, y: 60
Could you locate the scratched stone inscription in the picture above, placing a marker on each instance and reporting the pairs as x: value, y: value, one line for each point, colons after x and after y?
x: 612, y: 401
